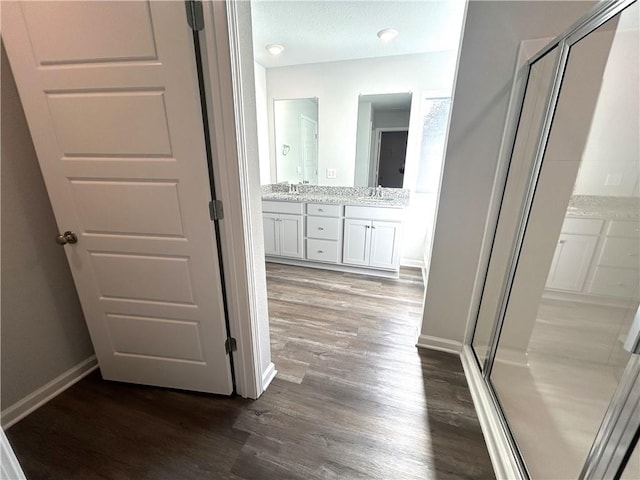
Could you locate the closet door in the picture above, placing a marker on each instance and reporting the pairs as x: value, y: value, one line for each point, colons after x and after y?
x: 111, y: 97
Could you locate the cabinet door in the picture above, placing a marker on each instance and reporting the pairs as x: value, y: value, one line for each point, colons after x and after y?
x: 357, y: 239
x: 571, y: 262
x: 291, y: 236
x: 385, y: 245
x: 270, y: 230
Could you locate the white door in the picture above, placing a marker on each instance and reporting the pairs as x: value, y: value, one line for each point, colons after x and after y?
x: 357, y: 238
x: 384, y: 245
x: 291, y: 236
x: 271, y: 235
x: 111, y: 97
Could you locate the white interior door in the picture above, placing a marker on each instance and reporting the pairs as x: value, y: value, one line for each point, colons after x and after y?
x: 111, y: 97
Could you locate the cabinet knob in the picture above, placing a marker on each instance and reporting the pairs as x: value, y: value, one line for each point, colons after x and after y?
x: 320, y: 210
x: 320, y: 228
x: 320, y: 251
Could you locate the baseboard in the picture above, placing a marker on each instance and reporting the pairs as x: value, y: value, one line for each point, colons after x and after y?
x: 412, y: 263
x: 579, y: 297
x: 441, y: 344
x: 42, y: 395
x: 502, y: 458
x: 268, y: 375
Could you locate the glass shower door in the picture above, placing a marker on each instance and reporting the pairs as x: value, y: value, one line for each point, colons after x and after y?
x: 565, y: 327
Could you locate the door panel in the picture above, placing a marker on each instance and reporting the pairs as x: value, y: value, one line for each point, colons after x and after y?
x: 271, y: 234
x: 384, y: 245
x: 357, y: 238
x: 114, y: 111
x: 572, y: 251
x: 291, y: 236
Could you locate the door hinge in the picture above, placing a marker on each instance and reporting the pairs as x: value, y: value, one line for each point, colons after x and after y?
x: 215, y: 210
x: 195, y: 15
x: 230, y: 345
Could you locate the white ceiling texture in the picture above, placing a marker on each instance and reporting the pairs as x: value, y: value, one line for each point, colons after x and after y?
x: 315, y: 31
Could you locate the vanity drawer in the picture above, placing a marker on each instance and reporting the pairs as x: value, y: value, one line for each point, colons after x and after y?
x: 620, y: 252
x: 582, y: 226
x: 619, y: 228
x: 322, y: 250
x: 324, y: 209
x: 373, y: 213
x: 323, y: 227
x: 282, y: 207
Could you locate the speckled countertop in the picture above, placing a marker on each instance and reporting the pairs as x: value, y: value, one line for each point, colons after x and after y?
x: 608, y: 208
x: 391, y: 197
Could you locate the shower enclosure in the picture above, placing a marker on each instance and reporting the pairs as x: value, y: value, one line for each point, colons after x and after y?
x: 553, y: 358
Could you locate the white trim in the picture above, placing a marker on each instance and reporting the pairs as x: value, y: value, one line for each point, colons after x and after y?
x: 335, y: 267
x: 440, y: 344
x: 220, y: 54
x: 580, y: 297
x: 268, y: 375
x: 502, y: 459
x: 9, y: 466
x: 42, y: 395
x: 411, y: 263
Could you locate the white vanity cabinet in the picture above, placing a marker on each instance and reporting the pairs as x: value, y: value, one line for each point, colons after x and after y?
x: 324, y: 232
x: 283, y: 229
x: 352, y: 238
x: 370, y: 239
x: 596, y: 257
x: 572, y: 258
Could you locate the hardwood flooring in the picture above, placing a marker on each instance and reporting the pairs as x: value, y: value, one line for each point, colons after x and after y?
x: 353, y: 399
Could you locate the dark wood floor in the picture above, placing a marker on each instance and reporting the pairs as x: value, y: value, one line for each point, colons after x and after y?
x: 354, y: 399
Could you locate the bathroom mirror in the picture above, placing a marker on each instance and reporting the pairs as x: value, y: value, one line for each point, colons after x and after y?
x: 381, y: 139
x: 296, y: 140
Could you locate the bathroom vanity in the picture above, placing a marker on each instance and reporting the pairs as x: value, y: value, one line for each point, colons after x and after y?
x: 336, y: 228
x: 601, y: 236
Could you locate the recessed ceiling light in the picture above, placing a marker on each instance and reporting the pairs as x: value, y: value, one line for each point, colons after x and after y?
x: 274, y: 49
x: 387, y: 34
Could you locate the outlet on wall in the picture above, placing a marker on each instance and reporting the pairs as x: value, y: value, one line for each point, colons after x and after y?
x: 331, y: 173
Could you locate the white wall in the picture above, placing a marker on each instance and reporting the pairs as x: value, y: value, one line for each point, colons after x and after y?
x: 262, y: 117
x: 610, y: 162
x: 492, y: 33
x: 338, y: 85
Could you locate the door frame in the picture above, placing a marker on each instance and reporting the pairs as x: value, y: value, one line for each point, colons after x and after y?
x: 374, y: 165
x: 226, y: 56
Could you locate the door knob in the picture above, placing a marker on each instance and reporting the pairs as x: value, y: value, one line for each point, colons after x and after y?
x: 67, y: 237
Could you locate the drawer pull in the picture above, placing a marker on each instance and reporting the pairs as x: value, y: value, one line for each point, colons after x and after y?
x: 320, y: 251
x: 320, y: 228
x: 320, y: 210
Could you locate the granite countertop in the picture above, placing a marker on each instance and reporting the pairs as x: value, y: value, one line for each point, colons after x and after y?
x: 609, y: 208
x: 391, y: 197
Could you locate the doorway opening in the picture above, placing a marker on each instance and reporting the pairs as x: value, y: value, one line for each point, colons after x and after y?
x: 391, y: 150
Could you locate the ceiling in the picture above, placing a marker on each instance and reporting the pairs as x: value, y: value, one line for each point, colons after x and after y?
x: 315, y: 31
